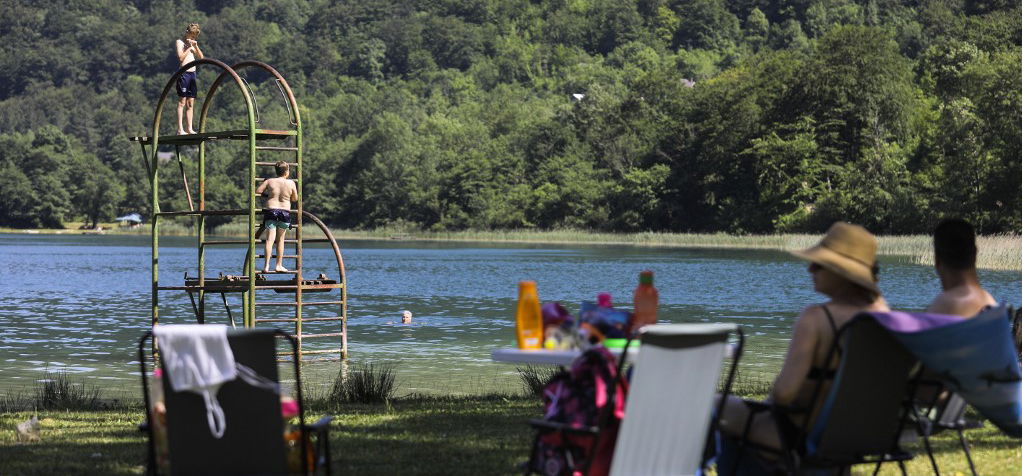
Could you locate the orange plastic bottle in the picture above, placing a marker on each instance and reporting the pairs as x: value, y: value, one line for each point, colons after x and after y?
x: 645, y: 301
x: 528, y: 319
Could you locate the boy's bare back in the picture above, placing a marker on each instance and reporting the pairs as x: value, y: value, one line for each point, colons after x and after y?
x: 279, y: 192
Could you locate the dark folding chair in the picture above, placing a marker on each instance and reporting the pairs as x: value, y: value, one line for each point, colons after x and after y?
x: 253, y: 442
x: 861, y: 414
x: 943, y: 410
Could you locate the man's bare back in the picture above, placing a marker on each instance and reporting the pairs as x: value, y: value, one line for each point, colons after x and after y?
x: 279, y: 192
x: 965, y: 300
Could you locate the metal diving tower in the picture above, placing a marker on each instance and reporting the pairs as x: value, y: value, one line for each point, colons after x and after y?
x: 266, y: 300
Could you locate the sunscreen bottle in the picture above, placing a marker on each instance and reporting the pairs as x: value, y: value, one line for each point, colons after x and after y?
x: 528, y: 319
x: 645, y: 301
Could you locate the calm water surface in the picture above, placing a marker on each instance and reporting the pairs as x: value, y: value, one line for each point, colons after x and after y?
x: 79, y: 303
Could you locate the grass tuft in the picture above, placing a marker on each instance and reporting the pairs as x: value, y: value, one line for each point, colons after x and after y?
x: 58, y: 391
x: 747, y: 384
x: 366, y: 382
x: 535, y: 378
x: 15, y: 402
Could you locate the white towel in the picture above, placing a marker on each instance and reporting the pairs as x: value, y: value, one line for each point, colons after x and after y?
x: 198, y: 359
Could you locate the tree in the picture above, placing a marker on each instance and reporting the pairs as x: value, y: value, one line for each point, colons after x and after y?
x: 98, y: 192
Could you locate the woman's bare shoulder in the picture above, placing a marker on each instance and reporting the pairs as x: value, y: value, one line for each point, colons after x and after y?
x: 812, y: 310
x: 810, y: 315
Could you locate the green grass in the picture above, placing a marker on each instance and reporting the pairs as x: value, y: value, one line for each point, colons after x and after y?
x: 416, y: 435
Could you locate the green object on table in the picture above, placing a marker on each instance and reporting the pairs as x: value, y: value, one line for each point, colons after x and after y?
x: 616, y: 343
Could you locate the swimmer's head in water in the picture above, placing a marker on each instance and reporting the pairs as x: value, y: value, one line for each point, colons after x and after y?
x: 406, y: 317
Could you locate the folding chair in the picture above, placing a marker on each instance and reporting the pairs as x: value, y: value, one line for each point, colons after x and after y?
x: 861, y: 414
x: 253, y: 439
x: 937, y: 415
x: 669, y: 414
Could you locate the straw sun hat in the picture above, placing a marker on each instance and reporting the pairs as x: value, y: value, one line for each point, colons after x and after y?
x: 849, y: 251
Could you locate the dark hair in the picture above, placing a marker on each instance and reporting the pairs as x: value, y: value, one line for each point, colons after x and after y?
x: 954, y: 244
x: 281, y: 167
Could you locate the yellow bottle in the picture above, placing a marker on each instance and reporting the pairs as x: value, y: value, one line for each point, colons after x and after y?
x: 528, y: 319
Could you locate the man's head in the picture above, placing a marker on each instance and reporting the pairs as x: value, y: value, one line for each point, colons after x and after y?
x: 282, y: 168
x: 192, y: 31
x: 954, y: 245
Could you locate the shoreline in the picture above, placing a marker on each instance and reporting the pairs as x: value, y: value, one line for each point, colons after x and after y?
x: 996, y: 252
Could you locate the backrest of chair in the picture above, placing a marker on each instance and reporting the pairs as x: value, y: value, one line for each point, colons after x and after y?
x: 863, y: 410
x: 951, y: 412
x: 253, y: 442
x: 670, y: 399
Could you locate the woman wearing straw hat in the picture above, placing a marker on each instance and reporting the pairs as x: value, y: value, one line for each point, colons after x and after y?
x: 843, y: 267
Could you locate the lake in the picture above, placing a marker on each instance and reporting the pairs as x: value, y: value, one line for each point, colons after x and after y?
x: 79, y: 303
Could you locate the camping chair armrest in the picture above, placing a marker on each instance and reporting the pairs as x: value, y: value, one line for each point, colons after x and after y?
x: 321, y: 425
x: 544, y: 425
x: 759, y: 407
x: 322, y: 429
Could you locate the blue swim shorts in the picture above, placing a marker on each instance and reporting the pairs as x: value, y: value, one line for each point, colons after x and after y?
x: 276, y: 218
x: 186, y: 86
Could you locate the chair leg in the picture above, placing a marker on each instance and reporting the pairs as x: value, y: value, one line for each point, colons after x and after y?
x: 901, y: 465
x: 326, y: 451
x: 929, y: 452
x: 532, y: 455
x: 968, y: 454
x: 876, y: 470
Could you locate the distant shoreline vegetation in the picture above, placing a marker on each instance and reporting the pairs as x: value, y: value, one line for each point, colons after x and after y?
x: 996, y: 252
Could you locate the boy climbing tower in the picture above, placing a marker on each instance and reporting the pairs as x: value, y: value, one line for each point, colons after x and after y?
x: 279, y: 192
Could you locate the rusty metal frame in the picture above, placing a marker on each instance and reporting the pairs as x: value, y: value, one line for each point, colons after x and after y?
x: 251, y: 134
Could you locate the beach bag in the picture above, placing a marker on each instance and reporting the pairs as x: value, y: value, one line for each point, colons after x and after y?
x: 589, y: 395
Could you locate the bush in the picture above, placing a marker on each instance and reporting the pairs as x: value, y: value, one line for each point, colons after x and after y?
x: 365, y: 383
x: 535, y: 378
x: 15, y: 402
x: 57, y: 391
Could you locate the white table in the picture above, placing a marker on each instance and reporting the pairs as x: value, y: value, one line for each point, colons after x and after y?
x: 548, y: 357
x: 563, y: 357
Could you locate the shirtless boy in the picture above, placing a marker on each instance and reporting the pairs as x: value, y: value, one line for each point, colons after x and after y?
x: 187, y: 51
x: 279, y: 192
x: 954, y: 246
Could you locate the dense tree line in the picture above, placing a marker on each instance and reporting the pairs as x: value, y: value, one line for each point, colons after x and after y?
x: 743, y: 116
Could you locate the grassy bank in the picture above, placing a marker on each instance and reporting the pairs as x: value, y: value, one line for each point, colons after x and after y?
x: 1002, y: 252
x: 418, y: 435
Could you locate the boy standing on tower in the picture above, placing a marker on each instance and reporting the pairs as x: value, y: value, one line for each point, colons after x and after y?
x: 187, y: 51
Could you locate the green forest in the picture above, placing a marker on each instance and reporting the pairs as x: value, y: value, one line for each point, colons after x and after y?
x: 737, y: 116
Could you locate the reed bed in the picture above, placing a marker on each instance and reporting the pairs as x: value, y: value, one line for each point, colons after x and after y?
x: 1001, y: 252
x: 997, y: 252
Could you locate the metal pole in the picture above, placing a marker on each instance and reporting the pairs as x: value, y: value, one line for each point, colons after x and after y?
x: 251, y: 210
x: 201, y: 224
x: 300, y: 260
